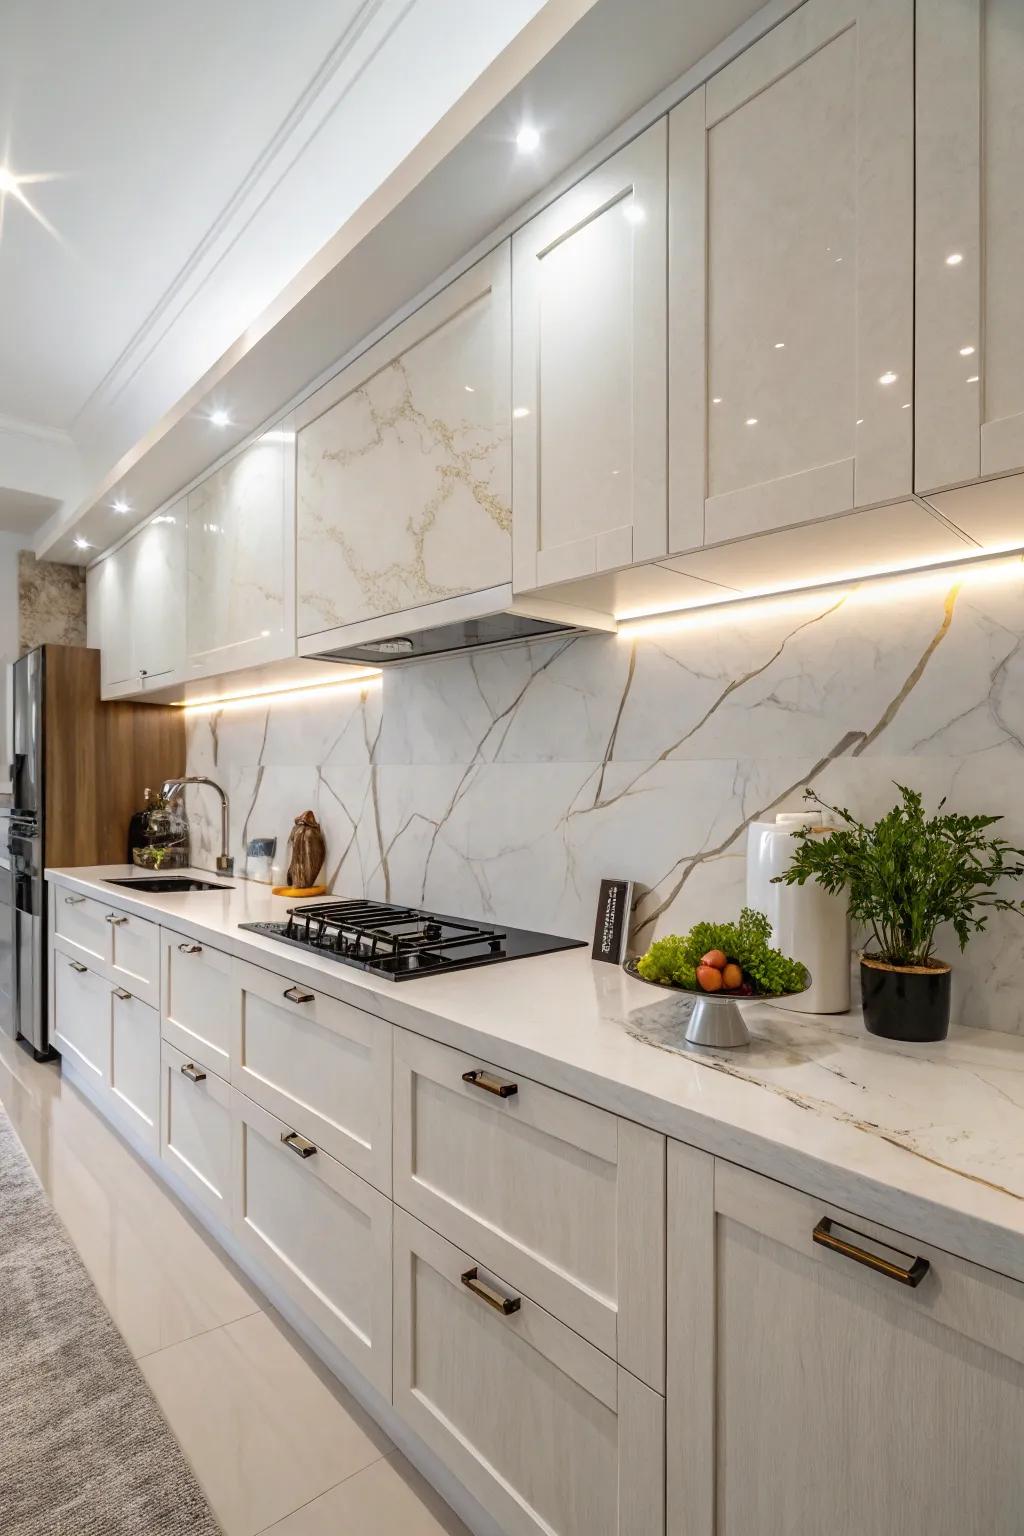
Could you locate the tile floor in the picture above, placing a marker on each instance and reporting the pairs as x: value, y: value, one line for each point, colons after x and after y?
x: 277, y: 1445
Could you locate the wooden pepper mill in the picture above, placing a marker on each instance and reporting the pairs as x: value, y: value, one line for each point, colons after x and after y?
x: 306, y: 851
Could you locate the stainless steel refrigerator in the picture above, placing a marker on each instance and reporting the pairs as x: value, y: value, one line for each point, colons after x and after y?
x: 78, y: 772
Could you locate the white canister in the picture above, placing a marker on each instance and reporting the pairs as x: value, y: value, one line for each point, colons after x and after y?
x: 807, y: 922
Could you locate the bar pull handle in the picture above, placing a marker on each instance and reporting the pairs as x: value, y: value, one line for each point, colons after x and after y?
x: 478, y: 1078
x: 191, y: 949
x: 907, y: 1274
x: 298, y: 1144
x: 296, y: 995
x: 124, y: 996
x: 193, y: 1073
x: 503, y: 1304
x: 76, y: 965
x: 73, y: 901
x: 114, y: 920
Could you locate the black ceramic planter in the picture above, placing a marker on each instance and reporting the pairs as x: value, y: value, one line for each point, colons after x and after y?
x: 905, y: 1004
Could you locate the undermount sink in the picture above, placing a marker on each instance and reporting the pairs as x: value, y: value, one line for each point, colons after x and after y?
x: 167, y: 884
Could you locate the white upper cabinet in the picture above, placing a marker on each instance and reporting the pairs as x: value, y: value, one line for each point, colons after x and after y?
x: 791, y: 276
x: 589, y: 388
x: 970, y: 240
x: 404, y: 474
x: 241, y: 558
x: 136, y: 605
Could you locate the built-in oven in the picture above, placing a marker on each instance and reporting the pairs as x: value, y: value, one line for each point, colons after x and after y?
x: 28, y: 900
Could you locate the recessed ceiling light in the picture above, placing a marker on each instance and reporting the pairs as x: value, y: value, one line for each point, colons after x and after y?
x: 973, y: 379
x: 716, y: 399
x: 120, y: 506
x: 527, y: 140
x: 779, y: 346
x: 82, y: 544
x: 470, y: 389
x: 633, y: 213
x: 966, y: 351
x: 751, y: 421
x: 8, y: 180
x: 954, y: 259
x: 905, y: 406
x: 220, y: 418
x: 888, y: 378
x: 520, y: 411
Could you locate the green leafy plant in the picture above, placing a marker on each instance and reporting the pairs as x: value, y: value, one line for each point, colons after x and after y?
x: 675, y: 958
x: 909, y: 873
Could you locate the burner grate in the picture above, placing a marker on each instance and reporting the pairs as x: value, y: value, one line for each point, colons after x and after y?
x: 388, y: 937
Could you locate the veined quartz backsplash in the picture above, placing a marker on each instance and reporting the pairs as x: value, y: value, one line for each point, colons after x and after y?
x: 506, y: 784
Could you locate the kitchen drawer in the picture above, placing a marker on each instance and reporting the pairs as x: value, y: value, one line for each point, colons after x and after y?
x: 135, y: 1063
x: 82, y: 924
x: 81, y: 1016
x: 563, y: 1199
x: 200, y: 999
x: 320, y: 1230
x: 548, y: 1433
x: 320, y: 1064
x: 134, y: 956
x: 195, y: 1128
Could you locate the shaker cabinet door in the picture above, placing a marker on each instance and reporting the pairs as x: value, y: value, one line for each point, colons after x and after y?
x: 589, y: 409
x: 241, y: 558
x: 811, y: 1388
x: 404, y: 473
x: 970, y: 240
x: 791, y: 276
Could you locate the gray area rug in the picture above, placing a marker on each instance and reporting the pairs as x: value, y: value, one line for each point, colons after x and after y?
x: 84, y: 1449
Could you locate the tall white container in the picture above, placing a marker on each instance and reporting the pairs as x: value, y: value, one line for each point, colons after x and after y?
x: 807, y: 922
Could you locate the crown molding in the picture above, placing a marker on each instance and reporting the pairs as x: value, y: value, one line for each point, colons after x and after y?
x: 342, y: 67
x: 35, y: 430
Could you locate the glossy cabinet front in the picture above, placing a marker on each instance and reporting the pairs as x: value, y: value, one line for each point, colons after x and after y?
x: 791, y: 276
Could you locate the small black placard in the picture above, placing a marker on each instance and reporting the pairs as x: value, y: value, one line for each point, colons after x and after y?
x: 611, y: 932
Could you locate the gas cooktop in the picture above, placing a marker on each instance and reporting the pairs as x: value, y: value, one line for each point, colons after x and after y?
x: 403, y: 942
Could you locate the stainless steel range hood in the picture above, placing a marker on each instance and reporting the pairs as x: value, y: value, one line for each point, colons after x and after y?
x: 469, y: 622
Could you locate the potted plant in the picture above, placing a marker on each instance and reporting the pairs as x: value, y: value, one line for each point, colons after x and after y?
x: 903, y: 877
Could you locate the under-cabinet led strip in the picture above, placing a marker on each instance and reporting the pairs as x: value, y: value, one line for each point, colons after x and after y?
x: 984, y: 569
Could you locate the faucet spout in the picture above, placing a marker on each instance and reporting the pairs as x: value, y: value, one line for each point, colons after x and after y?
x: 225, y: 863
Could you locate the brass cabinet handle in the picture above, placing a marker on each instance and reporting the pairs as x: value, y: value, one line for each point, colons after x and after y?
x: 122, y: 994
x: 298, y: 1144
x: 190, y: 949
x: 73, y: 901
x: 76, y: 965
x: 910, y: 1274
x: 489, y: 1083
x: 114, y: 920
x: 296, y: 995
x: 193, y: 1073
x: 504, y: 1304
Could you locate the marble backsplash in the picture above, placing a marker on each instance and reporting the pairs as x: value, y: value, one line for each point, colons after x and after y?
x: 505, y: 784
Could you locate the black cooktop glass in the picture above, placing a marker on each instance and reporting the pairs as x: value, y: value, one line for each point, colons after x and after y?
x: 403, y: 943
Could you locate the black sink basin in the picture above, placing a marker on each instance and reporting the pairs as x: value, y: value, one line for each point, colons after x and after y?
x: 168, y: 884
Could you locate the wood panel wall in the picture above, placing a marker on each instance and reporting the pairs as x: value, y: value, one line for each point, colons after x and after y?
x: 99, y: 758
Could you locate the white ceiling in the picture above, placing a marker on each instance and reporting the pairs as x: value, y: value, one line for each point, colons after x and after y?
x: 22, y: 512
x: 201, y: 154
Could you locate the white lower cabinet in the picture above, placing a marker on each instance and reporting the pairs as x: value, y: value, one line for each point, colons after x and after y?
x: 812, y: 1387
x: 199, y: 999
x: 318, y: 1063
x: 548, y: 1433
x: 321, y: 1231
x: 135, y: 955
x: 135, y: 1063
x: 81, y: 923
x: 564, y: 1199
x: 195, y: 1128
x: 81, y: 1016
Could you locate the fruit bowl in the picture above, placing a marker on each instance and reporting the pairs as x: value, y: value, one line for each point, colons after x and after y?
x: 716, y: 1018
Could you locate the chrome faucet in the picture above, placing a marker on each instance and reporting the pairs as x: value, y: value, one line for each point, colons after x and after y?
x: 225, y: 863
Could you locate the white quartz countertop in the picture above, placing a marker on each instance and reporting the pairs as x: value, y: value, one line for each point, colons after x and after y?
x: 927, y: 1139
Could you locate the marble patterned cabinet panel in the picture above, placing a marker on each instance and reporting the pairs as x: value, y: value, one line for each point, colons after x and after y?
x: 239, y: 558
x: 404, y: 478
